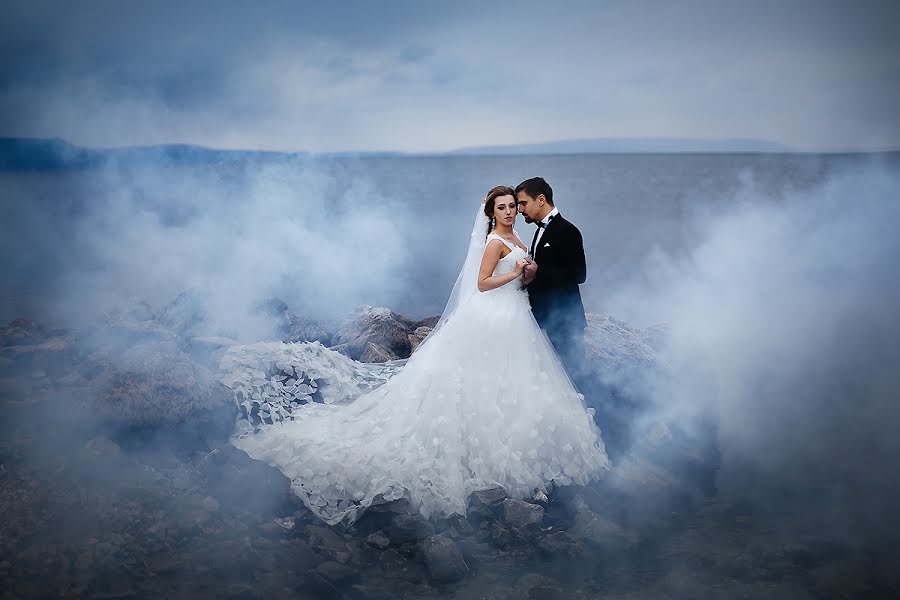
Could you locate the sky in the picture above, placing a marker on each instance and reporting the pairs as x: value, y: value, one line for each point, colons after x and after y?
x: 434, y: 76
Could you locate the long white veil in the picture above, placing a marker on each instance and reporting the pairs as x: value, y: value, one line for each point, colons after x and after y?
x: 467, y: 282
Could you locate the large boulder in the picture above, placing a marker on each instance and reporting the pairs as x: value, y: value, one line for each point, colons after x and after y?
x: 235, y: 479
x: 418, y: 336
x: 185, y: 314
x: 520, y: 515
x: 301, y: 329
x: 155, y: 384
x: 22, y: 331
x: 378, y: 326
x: 27, y: 345
x: 614, y: 346
x: 443, y: 558
x: 292, y: 327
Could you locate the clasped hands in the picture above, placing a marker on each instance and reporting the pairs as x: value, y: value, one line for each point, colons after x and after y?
x: 529, y: 270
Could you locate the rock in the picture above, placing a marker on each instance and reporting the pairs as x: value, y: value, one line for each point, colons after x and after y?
x: 156, y: 383
x: 46, y: 351
x: 328, y: 542
x: 235, y: 479
x: 521, y: 515
x: 379, y: 326
x: 460, y: 525
x: 428, y: 322
x: 301, y: 329
x: 394, y: 566
x: 185, y: 313
x: 134, y: 321
x: 409, y: 528
x: 318, y: 586
x: 541, y: 498
x: 335, y: 572
x: 376, y: 354
x: 400, y: 506
x: 100, y: 446
x: 560, y: 544
x: 598, y: 531
x: 22, y: 331
x: 443, y: 559
x: 538, y: 587
x: 500, y: 536
x: 378, y: 540
x: 488, y: 497
x: 209, y: 349
x: 417, y: 336
x: 614, y: 346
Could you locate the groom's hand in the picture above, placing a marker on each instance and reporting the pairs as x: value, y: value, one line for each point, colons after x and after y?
x: 529, y: 273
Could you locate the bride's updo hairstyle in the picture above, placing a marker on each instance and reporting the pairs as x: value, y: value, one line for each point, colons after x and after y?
x: 500, y: 190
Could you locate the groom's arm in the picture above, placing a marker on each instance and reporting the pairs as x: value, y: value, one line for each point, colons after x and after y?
x: 571, y: 268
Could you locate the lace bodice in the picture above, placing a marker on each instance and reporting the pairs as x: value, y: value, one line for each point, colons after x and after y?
x: 508, y: 262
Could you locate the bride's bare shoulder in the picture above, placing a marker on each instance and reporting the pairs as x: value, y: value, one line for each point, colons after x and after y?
x: 496, y: 247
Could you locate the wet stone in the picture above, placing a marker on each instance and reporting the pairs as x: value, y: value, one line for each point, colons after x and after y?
x: 319, y: 587
x: 520, y: 515
x: 500, y: 536
x: 560, y: 544
x: 443, y: 558
x: 378, y: 540
x: 409, y: 528
x: 335, y: 572
x: 488, y: 497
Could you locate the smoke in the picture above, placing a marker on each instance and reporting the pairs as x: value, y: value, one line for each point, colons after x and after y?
x: 235, y: 233
x: 784, y: 329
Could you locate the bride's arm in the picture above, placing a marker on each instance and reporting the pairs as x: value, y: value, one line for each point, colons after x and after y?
x: 489, y: 260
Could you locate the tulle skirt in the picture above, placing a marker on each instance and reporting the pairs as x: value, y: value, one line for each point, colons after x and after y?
x: 483, y: 401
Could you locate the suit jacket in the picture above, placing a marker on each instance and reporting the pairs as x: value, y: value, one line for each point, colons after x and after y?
x: 554, y: 294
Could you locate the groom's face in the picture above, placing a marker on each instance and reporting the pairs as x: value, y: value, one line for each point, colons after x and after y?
x: 529, y: 207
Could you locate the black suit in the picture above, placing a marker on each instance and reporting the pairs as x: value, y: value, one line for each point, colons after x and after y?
x: 554, y: 294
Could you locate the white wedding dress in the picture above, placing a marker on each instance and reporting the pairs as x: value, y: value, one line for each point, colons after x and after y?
x: 484, y: 401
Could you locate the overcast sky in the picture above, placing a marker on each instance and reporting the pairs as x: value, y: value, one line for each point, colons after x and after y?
x: 433, y: 76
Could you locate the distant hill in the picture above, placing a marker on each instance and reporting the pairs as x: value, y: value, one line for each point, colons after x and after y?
x: 37, y: 154
x: 630, y: 145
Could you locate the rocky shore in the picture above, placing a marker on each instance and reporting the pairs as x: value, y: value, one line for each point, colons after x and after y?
x: 118, y: 481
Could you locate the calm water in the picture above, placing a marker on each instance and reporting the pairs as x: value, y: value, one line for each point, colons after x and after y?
x: 384, y: 231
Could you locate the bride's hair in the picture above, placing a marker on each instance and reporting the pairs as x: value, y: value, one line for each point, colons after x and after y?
x: 500, y: 190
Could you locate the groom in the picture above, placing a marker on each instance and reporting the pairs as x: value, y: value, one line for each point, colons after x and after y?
x: 554, y: 273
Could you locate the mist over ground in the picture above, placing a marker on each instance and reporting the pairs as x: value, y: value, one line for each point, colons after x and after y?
x: 785, y: 331
x: 775, y: 277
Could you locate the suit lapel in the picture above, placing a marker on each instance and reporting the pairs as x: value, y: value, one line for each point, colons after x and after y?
x: 544, y: 239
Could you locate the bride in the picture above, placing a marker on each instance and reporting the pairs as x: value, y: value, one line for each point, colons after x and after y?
x: 483, y: 401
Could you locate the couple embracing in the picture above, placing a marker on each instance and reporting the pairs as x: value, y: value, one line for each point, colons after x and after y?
x: 484, y: 401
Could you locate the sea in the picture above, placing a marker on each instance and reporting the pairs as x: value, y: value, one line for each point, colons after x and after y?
x: 326, y: 234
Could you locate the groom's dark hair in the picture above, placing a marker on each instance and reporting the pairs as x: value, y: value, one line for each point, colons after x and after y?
x: 536, y: 186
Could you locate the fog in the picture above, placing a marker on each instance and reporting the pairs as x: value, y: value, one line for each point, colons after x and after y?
x: 87, y: 243
x: 784, y: 330
x: 778, y: 295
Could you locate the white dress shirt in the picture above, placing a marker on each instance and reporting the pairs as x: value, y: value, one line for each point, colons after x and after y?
x: 545, y: 220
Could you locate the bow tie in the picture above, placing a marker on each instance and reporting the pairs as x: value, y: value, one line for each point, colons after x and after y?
x: 541, y: 224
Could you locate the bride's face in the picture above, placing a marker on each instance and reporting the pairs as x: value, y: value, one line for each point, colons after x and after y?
x: 505, y: 210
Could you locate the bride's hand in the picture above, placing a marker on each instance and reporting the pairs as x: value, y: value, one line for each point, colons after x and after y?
x: 520, y: 266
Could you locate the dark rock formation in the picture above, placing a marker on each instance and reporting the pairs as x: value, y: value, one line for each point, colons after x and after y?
x: 185, y: 313
x: 409, y: 528
x: 614, y: 345
x: 520, y: 515
x: 379, y: 326
x: 443, y: 558
x: 235, y: 479
x: 156, y: 383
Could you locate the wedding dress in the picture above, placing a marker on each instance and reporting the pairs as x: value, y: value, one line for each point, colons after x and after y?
x: 483, y: 401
